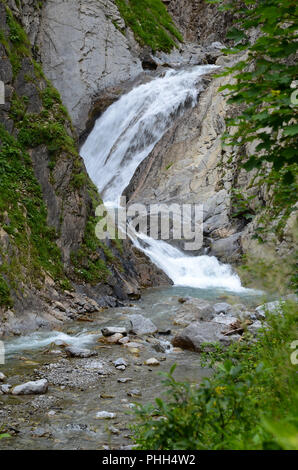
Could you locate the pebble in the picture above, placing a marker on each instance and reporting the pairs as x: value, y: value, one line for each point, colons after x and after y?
x: 114, y: 339
x: 120, y: 362
x: 134, y: 393
x: 106, y: 395
x: 152, y: 362
x: 124, y: 380
x: 5, y: 388
x: 124, y: 340
x: 105, y: 415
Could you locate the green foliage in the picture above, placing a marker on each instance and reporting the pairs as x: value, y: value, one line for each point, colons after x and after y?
x: 5, y: 298
x: 150, y: 22
x: 270, y: 272
x: 250, y: 402
x: 87, y: 260
x: 262, y: 91
x: 24, y: 215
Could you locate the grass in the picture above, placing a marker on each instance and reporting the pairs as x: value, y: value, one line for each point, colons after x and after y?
x: 151, y: 23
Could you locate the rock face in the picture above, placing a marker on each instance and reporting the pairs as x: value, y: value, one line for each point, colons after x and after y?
x: 83, y: 52
x: 199, y: 21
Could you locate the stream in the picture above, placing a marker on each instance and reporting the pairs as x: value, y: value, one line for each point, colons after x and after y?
x: 79, y: 388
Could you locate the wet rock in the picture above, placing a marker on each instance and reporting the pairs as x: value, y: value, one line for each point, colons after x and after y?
x: 120, y: 363
x: 2, y: 377
x: 161, y: 347
x: 31, y: 388
x: 197, y: 333
x: 164, y: 332
x: 193, y: 310
x: 40, y: 432
x: 105, y: 415
x: 133, y: 344
x: 124, y: 380
x: 152, y: 362
x: 5, y: 388
x: 74, y: 351
x: 134, y: 393
x: 112, y: 330
x: 271, y: 308
x: 124, y: 340
x: 114, y: 339
x: 221, y: 307
x: 140, y: 325
x: 106, y: 395
x: 135, y: 351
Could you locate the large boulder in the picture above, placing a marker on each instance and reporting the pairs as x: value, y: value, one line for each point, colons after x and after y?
x: 193, y: 310
x: 74, y: 351
x: 197, y: 333
x: 140, y: 325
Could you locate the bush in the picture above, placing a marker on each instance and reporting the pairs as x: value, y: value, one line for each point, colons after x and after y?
x: 250, y: 402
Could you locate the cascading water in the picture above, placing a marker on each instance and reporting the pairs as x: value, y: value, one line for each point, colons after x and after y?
x: 123, y: 137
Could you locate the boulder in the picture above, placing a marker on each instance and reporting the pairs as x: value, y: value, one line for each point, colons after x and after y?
x: 74, y: 351
x: 271, y: 307
x: 31, y: 388
x: 193, y: 309
x: 227, y: 248
x: 140, y: 325
x: 221, y: 307
x: 197, y: 333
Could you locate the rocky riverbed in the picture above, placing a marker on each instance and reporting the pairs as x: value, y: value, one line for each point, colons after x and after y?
x: 75, y: 387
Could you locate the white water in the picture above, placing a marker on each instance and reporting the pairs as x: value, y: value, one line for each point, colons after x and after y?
x: 123, y: 137
x: 37, y: 340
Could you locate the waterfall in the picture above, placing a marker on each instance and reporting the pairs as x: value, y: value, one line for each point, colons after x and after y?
x: 123, y: 137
